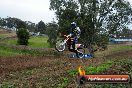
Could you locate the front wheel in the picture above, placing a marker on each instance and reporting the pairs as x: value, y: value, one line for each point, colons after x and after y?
x: 80, y: 53
x: 60, y: 45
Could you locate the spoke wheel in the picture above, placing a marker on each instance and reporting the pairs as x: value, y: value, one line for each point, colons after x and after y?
x: 60, y: 45
x: 80, y: 53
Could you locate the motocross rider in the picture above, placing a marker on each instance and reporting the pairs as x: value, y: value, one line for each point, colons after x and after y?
x: 74, y: 35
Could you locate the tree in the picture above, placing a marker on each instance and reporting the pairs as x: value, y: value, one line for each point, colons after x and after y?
x: 31, y: 26
x: 23, y: 36
x: 41, y: 27
x: 96, y: 18
x: 2, y: 22
x: 20, y: 24
x: 51, y: 31
x: 13, y: 22
x: 9, y: 22
x: 125, y: 33
x: 121, y: 18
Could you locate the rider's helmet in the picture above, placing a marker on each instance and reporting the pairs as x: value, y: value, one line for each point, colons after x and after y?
x: 76, y: 30
x: 73, y: 25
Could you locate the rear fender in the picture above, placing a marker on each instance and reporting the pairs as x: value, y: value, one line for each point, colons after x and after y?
x: 79, y: 46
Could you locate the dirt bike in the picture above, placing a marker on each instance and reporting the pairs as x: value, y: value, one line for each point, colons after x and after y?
x: 67, y: 41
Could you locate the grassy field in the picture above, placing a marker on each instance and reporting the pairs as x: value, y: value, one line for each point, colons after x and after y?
x: 7, y: 51
x: 40, y: 42
x: 36, y: 42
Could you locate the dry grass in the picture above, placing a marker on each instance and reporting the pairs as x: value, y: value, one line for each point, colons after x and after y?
x: 5, y: 33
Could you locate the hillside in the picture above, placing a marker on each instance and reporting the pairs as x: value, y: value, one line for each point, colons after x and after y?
x: 6, y: 34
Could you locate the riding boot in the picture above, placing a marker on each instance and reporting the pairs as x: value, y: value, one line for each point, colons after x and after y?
x: 71, y: 47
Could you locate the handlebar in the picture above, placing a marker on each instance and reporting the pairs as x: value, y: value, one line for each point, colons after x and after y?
x: 67, y: 36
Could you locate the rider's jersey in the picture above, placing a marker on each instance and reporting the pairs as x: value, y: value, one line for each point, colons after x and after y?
x: 75, y: 34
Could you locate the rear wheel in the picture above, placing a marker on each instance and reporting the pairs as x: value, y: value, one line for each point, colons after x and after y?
x: 60, y: 45
x: 80, y: 53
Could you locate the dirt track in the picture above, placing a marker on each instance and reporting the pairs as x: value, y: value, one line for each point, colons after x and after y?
x: 53, y: 68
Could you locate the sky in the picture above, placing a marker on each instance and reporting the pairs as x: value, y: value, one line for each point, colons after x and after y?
x: 130, y: 2
x: 28, y: 10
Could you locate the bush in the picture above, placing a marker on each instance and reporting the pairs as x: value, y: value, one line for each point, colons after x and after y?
x: 23, y: 36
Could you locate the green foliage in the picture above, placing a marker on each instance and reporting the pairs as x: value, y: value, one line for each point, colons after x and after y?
x: 31, y: 26
x: 93, y: 69
x: 23, y: 36
x: 97, y: 69
x: 102, y: 41
x: 12, y: 22
x: 124, y: 63
x: 41, y: 27
x: 25, y: 84
x: 67, y: 16
x: 94, y: 17
x: 2, y: 22
x: 20, y: 24
x: 7, y: 85
x: 73, y: 72
x: 51, y: 31
x: 114, y: 85
x: 63, y: 84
